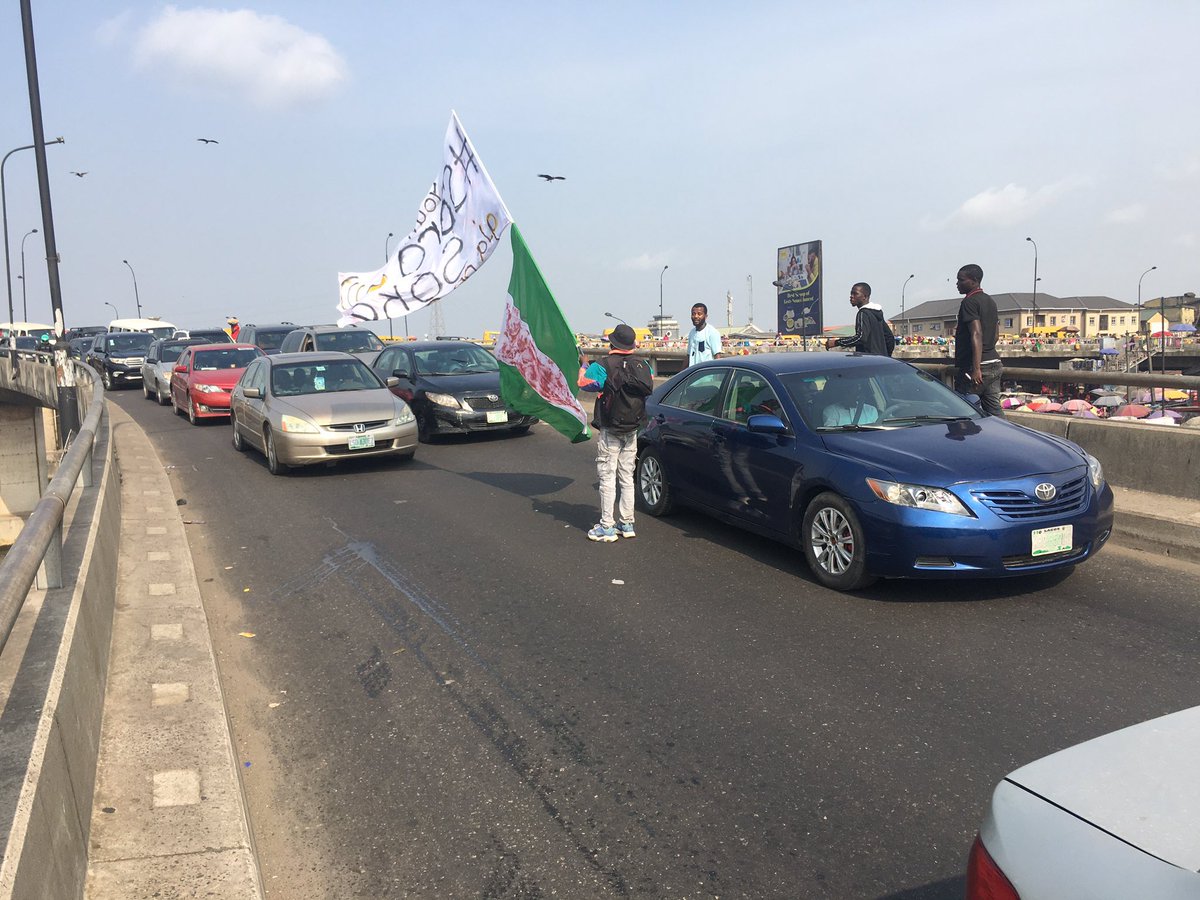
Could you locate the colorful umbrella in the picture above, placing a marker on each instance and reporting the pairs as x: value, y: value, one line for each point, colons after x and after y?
x: 1084, y: 414
x: 1109, y: 400
x: 1133, y: 410
x: 1165, y: 413
x: 1038, y: 402
x: 1186, y: 327
x: 1173, y: 394
x: 1010, y: 403
x: 1049, y: 407
x: 1076, y: 405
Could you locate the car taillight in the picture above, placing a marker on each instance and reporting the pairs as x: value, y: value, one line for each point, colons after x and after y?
x: 985, y: 881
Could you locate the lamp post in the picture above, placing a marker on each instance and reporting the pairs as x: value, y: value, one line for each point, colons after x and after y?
x: 116, y: 315
x: 136, y: 299
x: 24, y: 298
x: 904, y: 318
x: 1035, y: 281
x: 750, y: 281
x: 1139, y: 303
x: 660, y: 300
x: 4, y: 217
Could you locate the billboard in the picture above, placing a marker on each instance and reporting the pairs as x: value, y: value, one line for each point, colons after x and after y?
x: 799, y: 289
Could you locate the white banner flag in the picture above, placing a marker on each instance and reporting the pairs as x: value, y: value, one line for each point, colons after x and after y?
x: 459, y: 224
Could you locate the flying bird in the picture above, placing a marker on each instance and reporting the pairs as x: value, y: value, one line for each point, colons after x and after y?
x: 208, y: 140
x: 553, y: 177
x: 79, y: 174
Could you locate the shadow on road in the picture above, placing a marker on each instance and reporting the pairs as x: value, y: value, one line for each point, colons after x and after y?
x: 946, y: 889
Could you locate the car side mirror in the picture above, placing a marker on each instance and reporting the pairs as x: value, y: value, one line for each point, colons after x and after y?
x: 399, y: 373
x: 182, y: 370
x: 252, y: 393
x: 762, y: 423
x: 393, y: 382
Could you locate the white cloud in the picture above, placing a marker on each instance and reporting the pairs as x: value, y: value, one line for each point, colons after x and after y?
x: 1188, y: 239
x: 112, y: 30
x: 265, y: 58
x: 645, y: 262
x: 1186, y: 170
x: 1004, y: 206
x: 1126, y: 215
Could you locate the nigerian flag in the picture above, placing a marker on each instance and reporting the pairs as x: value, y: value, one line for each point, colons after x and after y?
x: 537, y: 350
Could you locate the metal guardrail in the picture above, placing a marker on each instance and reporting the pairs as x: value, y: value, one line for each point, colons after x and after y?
x: 40, y: 539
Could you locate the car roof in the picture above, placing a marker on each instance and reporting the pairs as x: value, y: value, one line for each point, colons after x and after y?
x: 283, y: 359
x: 272, y: 326
x: 321, y: 329
x: 817, y: 363
x: 199, y: 346
x: 434, y: 345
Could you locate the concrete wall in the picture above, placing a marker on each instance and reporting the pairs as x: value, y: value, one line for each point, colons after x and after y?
x: 22, y: 466
x: 50, y: 724
x: 1154, y: 458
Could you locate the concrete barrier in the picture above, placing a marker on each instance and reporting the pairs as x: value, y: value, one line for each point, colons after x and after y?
x: 1157, y: 459
x: 50, y: 724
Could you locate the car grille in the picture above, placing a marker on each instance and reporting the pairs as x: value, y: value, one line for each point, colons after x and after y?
x: 483, y: 402
x: 350, y: 426
x: 1018, y: 506
x: 1021, y: 562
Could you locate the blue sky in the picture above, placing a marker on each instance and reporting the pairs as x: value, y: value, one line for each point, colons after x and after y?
x: 910, y: 137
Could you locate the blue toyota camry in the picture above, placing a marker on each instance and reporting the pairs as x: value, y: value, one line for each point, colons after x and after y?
x: 872, y: 467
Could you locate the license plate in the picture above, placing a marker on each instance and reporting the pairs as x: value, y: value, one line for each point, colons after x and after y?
x: 362, y: 441
x: 495, y: 416
x: 1052, y: 540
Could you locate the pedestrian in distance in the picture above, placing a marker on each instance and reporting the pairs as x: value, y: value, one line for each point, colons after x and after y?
x: 975, y: 357
x: 232, y: 326
x: 623, y: 383
x: 704, y: 341
x: 871, y: 331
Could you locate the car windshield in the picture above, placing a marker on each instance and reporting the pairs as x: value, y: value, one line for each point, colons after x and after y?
x: 322, y: 378
x: 131, y: 342
x: 210, y: 336
x: 872, y: 398
x: 26, y: 343
x: 462, y: 359
x: 350, y: 341
x: 164, y: 332
x: 233, y: 358
x: 270, y: 339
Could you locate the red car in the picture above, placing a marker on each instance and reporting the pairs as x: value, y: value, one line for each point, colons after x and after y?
x: 205, y: 374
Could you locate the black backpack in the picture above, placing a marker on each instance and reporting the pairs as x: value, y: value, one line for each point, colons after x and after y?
x: 622, y: 403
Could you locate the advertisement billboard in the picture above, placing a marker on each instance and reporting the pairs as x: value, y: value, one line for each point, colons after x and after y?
x: 799, y: 289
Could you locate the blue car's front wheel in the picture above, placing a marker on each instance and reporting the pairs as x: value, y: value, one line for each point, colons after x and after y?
x: 653, y: 489
x: 832, y: 538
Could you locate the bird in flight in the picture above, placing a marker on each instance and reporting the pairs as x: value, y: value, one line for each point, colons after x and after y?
x: 553, y: 177
x: 208, y: 140
x: 79, y: 174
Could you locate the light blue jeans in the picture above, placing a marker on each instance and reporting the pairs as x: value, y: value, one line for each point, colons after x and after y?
x: 616, y: 454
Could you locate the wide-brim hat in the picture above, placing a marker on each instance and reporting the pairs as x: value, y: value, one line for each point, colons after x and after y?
x: 622, y: 338
x: 231, y: 319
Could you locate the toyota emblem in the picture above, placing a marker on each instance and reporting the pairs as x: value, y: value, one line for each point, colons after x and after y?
x: 492, y: 398
x: 359, y: 428
x: 1045, y: 491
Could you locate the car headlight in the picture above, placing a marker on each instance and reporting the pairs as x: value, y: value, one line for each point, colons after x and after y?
x: 206, y: 388
x: 918, y: 496
x: 294, y: 425
x: 404, y: 416
x: 1095, y: 471
x: 443, y: 400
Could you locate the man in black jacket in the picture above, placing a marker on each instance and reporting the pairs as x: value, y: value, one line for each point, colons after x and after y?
x: 871, y: 332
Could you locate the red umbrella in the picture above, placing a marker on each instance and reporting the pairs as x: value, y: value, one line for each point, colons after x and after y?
x: 1134, y: 410
x: 1076, y: 405
x: 1049, y: 407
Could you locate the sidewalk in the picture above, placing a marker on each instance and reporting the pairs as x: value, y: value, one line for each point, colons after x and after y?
x: 168, y: 816
x: 169, y: 819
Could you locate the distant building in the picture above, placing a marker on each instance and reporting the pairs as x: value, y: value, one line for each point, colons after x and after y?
x: 660, y: 325
x: 1088, y: 317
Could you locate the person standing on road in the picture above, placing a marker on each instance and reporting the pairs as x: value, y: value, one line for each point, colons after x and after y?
x: 871, y: 332
x: 623, y: 382
x: 975, y: 357
x: 704, y: 341
x: 233, y: 327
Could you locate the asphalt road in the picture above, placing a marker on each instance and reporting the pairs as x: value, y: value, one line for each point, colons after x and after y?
x: 450, y: 692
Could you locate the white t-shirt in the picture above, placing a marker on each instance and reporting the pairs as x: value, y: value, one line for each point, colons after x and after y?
x: 703, y: 344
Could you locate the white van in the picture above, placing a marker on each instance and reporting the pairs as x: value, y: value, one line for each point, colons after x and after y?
x: 26, y: 329
x: 156, y: 327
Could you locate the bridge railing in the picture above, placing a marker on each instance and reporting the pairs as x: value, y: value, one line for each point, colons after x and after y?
x: 40, y: 540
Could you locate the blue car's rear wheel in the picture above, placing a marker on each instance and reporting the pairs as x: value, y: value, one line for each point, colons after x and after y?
x: 833, y: 543
x: 653, y: 489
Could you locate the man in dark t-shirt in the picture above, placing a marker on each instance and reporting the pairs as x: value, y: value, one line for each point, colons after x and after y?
x: 975, y: 356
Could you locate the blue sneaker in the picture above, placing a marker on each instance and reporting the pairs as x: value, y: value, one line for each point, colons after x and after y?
x: 625, y: 529
x: 600, y: 533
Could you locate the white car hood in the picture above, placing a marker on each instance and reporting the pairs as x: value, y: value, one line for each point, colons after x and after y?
x: 1141, y: 784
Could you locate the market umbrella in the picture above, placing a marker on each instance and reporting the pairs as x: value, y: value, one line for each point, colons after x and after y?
x: 1108, y: 400
x: 1084, y: 414
x: 1185, y: 327
x: 1174, y: 394
x: 1076, y: 405
x: 1164, y: 420
x: 1039, y: 402
x: 1025, y: 408
x: 1165, y: 413
x: 1009, y: 403
x: 1133, y: 410
x: 1049, y: 407
x: 1104, y: 392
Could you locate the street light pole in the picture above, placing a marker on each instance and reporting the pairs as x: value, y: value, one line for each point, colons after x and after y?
x: 24, y: 298
x: 116, y: 315
x: 660, y: 300
x: 1035, y: 281
x: 903, y: 318
x: 750, y: 280
x: 4, y: 215
x: 1139, y: 305
x: 136, y: 299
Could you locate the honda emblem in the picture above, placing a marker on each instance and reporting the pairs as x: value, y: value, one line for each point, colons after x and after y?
x: 359, y: 428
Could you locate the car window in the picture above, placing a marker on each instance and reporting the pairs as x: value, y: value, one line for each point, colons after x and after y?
x: 324, y: 377
x: 259, y: 378
x: 233, y: 358
x: 349, y: 341
x: 170, y: 352
x: 185, y: 359
x: 269, y: 338
x: 464, y: 359
x: 698, y: 393
x: 291, y: 341
x: 750, y: 394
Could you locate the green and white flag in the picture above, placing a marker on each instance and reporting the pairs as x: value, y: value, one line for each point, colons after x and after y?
x: 536, y: 348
